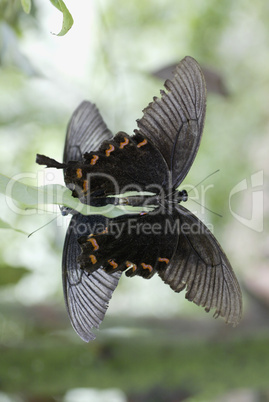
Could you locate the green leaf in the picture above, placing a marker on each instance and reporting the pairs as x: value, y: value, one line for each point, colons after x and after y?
x: 11, y: 275
x: 30, y: 197
x: 5, y: 225
x: 67, y: 17
x: 26, y: 5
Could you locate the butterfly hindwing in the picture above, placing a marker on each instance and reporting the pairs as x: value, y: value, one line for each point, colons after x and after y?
x: 142, y: 245
x: 86, y: 295
x: 200, y: 265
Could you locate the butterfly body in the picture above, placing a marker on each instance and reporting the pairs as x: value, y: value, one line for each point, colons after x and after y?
x: 143, y: 170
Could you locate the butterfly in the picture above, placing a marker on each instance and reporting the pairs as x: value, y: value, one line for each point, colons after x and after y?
x: 144, y: 169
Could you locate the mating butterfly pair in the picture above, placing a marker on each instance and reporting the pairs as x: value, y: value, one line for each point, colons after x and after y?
x: 167, y: 239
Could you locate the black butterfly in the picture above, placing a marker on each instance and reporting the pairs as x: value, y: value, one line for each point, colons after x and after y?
x: 168, y: 239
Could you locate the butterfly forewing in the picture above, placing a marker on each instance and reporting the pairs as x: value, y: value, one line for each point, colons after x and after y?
x: 175, y: 122
x: 85, y: 133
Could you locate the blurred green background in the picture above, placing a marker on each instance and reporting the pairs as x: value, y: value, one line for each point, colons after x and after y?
x: 153, y: 345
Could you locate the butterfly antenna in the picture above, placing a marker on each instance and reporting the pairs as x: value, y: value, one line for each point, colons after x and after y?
x: 41, y: 227
x: 215, y: 213
x: 200, y: 182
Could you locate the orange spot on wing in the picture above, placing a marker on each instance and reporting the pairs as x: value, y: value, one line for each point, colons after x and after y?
x: 110, y: 149
x: 141, y: 144
x: 94, y: 243
x: 113, y: 264
x: 85, y: 186
x: 79, y: 173
x: 166, y: 260
x: 125, y: 142
x: 93, y: 259
x: 147, y: 266
x: 130, y: 265
x: 94, y: 159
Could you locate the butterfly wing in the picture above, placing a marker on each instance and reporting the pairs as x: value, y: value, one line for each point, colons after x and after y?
x: 86, y: 296
x: 175, y: 122
x: 200, y: 265
x: 140, y: 244
x: 126, y: 163
x: 85, y: 133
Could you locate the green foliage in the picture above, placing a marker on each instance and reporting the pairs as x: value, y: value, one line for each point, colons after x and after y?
x: 10, y: 13
x: 33, y: 197
x: 204, y: 369
x: 30, y: 197
x: 5, y: 225
x: 26, y: 5
x: 67, y: 17
x: 10, y: 275
x: 11, y: 10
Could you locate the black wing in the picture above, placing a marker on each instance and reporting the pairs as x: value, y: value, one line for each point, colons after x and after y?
x: 85, y: 133
x: 86, y: 295
x: 175, y: 122
x: 200, y: 265
x: 122, y: 164
x: 140, y: 244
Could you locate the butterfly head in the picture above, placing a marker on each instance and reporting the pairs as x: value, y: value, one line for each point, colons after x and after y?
x: 182, y: 196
